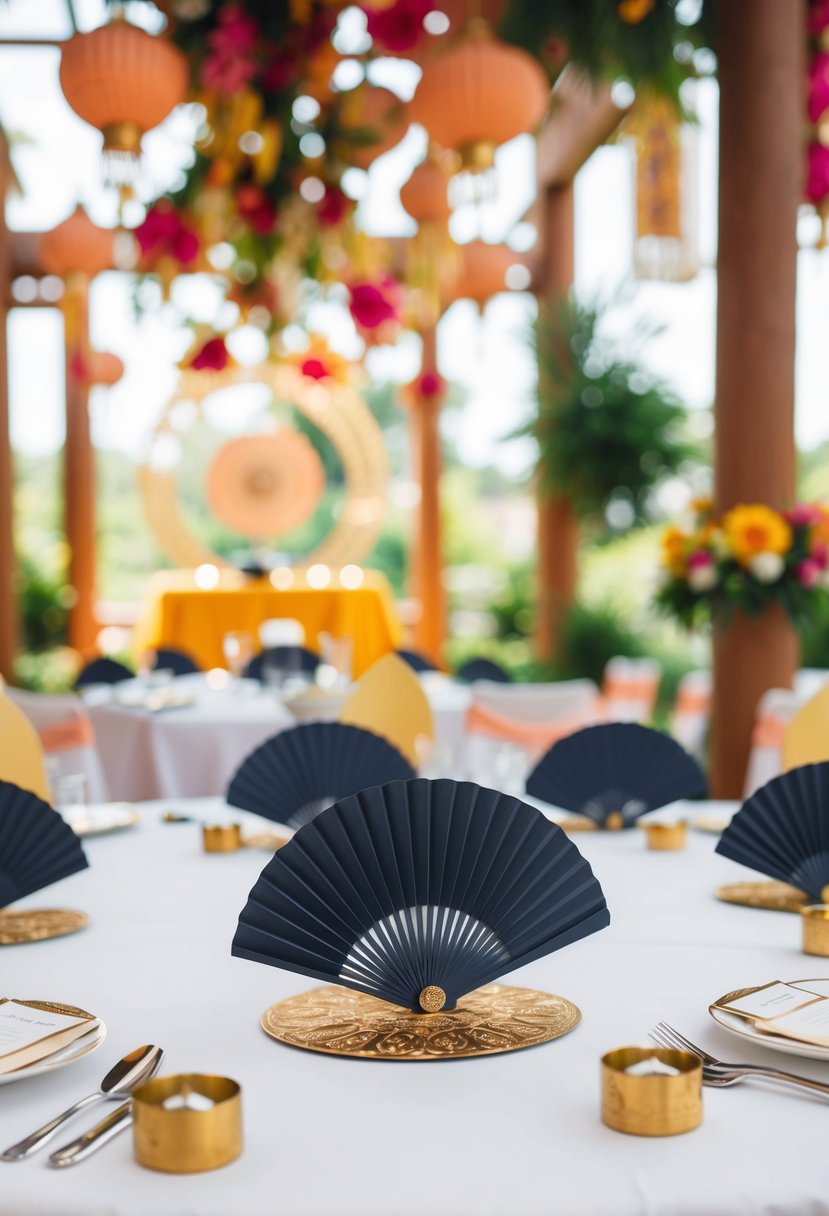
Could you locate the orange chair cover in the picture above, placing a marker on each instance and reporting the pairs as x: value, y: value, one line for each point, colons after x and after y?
x: 532, y: 735
x: 68, y: 734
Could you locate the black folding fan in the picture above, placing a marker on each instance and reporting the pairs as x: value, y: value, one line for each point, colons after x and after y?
x: 291, y: 777
x: 615, y: 772
x: 483, y: 669
x: 783, y: 829
x: 420, y: 890
x: 103, y: 671
x: 36, y: 847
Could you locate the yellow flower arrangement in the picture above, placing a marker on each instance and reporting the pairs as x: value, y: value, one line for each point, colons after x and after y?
x: 756, y: 529
x: 674, y: 544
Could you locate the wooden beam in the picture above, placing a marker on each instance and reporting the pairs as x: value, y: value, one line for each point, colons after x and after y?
x: 760, y: 48
x: 583, y: 117
x: 79, y: 476
x: 9, y: 628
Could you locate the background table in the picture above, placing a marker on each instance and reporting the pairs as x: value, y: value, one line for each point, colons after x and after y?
x: 514, y: 1135
x: 195, y: 749
x: 180, y: 615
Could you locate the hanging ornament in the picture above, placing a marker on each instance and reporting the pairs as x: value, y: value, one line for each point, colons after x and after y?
x: 76, y: 251
x: 474, y: 98
x: 632, y: 12
x: 665, y: 246
x: 483, y: 273
x: 373, y: 120
x: 124, y: 82
x: 432, y: 258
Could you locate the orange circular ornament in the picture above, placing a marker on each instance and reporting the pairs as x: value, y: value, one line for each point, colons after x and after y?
x: 483, y: 271
x: 425, y: 196
x: 265, y: 485
x: 122, y: 81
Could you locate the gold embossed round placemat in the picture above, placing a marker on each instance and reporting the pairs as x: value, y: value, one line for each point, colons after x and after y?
x: 341, y: 1022
x: 776, y: 896
x: 39, y: 924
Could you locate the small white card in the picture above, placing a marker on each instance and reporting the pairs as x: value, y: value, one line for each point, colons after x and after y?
x: 772, y: 1001
x: 810, y: 1023
x: 22, y: 1025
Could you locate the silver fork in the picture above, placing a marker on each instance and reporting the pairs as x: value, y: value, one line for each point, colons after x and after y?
x: 719, y: 1074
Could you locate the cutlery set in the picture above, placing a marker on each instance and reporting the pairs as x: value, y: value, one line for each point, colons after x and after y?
x: 130, y: 1072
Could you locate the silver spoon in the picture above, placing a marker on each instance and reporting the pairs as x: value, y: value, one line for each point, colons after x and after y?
x: 119, y: 1083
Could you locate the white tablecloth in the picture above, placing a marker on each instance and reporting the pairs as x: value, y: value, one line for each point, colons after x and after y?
x: 514, y: 1135
x: 194, y: 750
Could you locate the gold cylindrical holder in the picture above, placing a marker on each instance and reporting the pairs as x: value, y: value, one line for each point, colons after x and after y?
x: 221, y: 837
x: 815, y: 919
x: 183, y: 1139
x: 666, y: 837
x: 655, y: 1104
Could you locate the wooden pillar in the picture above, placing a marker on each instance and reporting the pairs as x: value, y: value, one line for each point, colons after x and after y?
x: 760, y: 47
x: 558, y: 525
x: 8, y: 589
x: 427, y: 553
x: 79, y: 474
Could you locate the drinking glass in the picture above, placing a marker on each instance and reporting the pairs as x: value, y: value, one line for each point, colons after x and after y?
x: 238, y: 651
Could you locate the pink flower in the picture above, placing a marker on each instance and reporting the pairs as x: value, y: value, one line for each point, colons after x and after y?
x: 165, y: 232
x: 430, y: 384
x: 333, y: 207
x: 213, y: 356
x: 231, y: 62
x: 820, y: 554
x: 315, y: 369
x: 803, y: 515
x: 699, y: 558
x: 256, y: 207
x: 283, y: 69
x: 399, y: 27
x: 808, y: 573
x: 818, y: 18
x: 817, y: 173
x: 374, y: 304
x: 818, y: 86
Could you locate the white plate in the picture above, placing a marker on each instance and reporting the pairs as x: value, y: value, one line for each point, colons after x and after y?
x: 101, y: 818
x: 791, y: 1047
x: 83, y: 1046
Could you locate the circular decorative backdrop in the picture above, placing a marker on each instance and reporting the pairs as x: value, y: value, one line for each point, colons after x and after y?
x: 263, y: 485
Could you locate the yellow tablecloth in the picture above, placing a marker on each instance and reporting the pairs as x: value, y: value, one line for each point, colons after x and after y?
x: 180, y: 615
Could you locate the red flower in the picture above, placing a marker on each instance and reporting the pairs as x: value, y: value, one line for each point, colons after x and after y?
x: 255, y: 206
x: 164, y: 232
x: 374, y: 304
x: 818, y: 86
x: 231, y: 63
x: 282, y: 69
x: 315, y: 369
x: 818, y: 18
x: 213, y: 356
x: 430, y: 384
x: 817, y: 175
x: 333, y: 207
x: 400, y: 27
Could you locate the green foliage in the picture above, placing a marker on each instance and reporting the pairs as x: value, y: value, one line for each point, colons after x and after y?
x: 594, y: 36
x: 607, y: 429
x: 44, y: 601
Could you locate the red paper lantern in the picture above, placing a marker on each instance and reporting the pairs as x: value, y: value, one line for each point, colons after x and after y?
x: 479, y: 95
x: 77, y: 246
x: 122, y: 81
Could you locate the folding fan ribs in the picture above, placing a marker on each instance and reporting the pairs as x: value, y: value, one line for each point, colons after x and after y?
x: 615, y: 772
x: 291, y: 777
x: 418, y: 892
x: 36, y: 849
x: 782, y: 830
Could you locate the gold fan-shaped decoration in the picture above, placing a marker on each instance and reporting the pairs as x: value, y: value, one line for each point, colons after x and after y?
x: 265, y: 485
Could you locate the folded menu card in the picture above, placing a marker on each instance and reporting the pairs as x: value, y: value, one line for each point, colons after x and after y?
x: 782, y: 1009
x: 32, y: 1030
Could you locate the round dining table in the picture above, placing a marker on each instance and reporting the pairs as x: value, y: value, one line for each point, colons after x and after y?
x: 518, y: 1134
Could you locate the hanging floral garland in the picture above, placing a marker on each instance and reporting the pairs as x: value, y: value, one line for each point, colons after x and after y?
x: 817, y: 150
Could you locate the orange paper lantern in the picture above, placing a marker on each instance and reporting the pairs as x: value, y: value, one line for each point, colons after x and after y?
x: 479, y: 95
x: 377, y: 113
x: 77, y: 246
x: 425, y: 196
x: 483, y: 271
x: 265, y: 485
x: 122, y: 81
x: 105, y: 368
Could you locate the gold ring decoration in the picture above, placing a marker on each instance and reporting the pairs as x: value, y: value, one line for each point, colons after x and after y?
x: 39, y: 925
x: 338, y: 411
x: 494, y: 1019
x: 771, y: 894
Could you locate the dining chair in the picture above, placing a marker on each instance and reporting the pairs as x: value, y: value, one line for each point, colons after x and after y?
x: 775, y: 711
x: 691, y: 712
x: 67, y: 737
x: 630, y: 688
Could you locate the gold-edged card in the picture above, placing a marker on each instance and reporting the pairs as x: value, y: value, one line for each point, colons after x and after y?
x: 498, y: 1018
x: 38, y: 1034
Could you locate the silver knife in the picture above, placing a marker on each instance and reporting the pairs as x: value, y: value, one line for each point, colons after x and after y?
x: 99, y: 1135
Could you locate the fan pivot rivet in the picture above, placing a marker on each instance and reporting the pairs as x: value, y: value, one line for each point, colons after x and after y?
x: 432, y: 998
